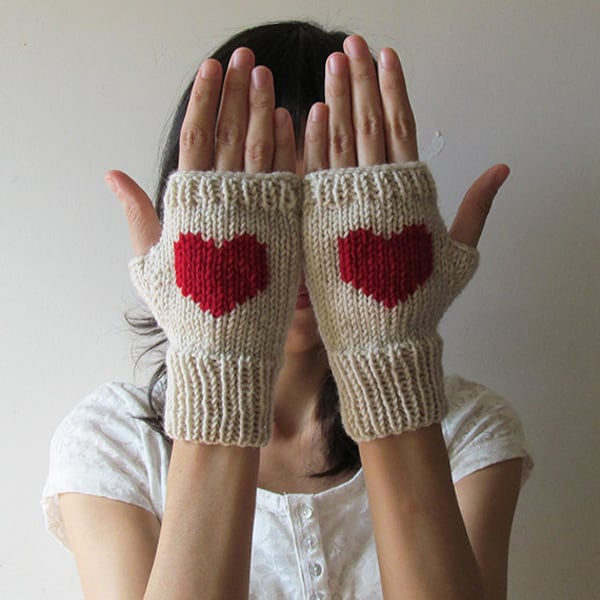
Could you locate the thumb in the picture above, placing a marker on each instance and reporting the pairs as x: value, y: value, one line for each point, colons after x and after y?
x: 473, y: 210
x: 144, y: 225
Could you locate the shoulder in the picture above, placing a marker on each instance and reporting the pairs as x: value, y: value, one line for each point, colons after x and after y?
x: 105, y: 416
x: 105, y: 424
x: 481, y: 428
x: 101, y: 448
x: 114, y: 399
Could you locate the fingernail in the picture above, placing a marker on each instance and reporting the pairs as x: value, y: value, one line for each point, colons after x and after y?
x: 209, y: 69
x: 388, y: 58
x: 318, y: 112
x: 280, y: 117
x: 111, y: 183
x: 336, y: 64
x: 260, y: 77
x: 501, y: 176
x: 355, y: 46
x: 238, y: 59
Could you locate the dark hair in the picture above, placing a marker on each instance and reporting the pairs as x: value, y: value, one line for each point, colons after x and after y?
x: 295, y: 52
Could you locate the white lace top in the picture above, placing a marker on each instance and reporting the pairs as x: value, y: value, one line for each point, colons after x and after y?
x: 305, y: 546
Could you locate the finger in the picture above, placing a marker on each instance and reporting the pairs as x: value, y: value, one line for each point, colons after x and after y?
x: 316, y: 150
x: 473, y: 210
x: 284, y: 155
x: 342, y: 151
x: 258, y: 149
x: 399, y: 121
x: 196, y: 140
x: 367, y: 114
x: 144, y: 225
x: 232, y: 121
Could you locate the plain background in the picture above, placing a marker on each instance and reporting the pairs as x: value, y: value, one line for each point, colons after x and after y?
x: 86, y: 87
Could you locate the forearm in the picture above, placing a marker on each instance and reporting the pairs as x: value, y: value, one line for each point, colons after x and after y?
x: 422, y: 545
x: 205, y: 540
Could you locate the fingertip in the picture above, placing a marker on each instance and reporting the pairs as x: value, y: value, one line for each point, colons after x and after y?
x: 500, y: 174
x: 242, y: 58
x: 284, y: 156
x: 111, y: 182
x: 316, y: 138
x: 261, y: 76
x: 318, y: 112
x: 283, y: 128
x: 355, y: 46
x: 210, y: 68
x: 119, y: 183
x: 282, y: 117
x: 388, y: 59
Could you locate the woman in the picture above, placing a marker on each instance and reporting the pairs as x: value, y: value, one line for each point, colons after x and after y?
x: 291, y: 349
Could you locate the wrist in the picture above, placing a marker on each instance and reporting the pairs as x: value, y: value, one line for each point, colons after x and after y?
x: 219, y: 400
x: 390, y: 390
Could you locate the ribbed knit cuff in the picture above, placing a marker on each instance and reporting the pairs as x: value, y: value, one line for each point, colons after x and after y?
x: 392, y: 390
x: 218, y: 400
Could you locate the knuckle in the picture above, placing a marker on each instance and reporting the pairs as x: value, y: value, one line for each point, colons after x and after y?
x: 229, y: 134
x: 259, y: 152
x: 133, y: 214
x: 313, y: 135
x: 369, y: 125
x: 340, y: 143
x: 234, y: 85
x: 364, y: 75
x: 403, y: 128
x: 391, y: 83
x: 202, y: 93
x: 193, y: 137
x: 335, y: 89
x: 261, y: 101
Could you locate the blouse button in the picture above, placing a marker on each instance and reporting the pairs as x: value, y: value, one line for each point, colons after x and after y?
x: 315, y: 569
x: 317, y: 596
x: 310, y: 541
x: 306, y: 512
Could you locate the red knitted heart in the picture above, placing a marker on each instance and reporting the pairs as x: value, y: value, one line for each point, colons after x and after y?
x: 219, y: 278
x: 389, y: 270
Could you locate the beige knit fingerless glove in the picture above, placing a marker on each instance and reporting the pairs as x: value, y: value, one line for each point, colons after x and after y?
x: 381, y: 270
x: 222, y: 282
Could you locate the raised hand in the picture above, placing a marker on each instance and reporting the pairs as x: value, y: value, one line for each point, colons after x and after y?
x: 381, y: 267
x: 220, y: 275
x: 368, y: 122
x: 247, y: 134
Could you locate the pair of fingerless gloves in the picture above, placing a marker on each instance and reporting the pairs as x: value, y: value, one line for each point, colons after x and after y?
x: 222, y: 282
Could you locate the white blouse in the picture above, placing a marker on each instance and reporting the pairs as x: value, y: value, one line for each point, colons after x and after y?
x: 304, y: 546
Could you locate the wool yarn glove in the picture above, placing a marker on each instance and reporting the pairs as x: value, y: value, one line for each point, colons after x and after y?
x: 222, y: 282
x: 381, y: 270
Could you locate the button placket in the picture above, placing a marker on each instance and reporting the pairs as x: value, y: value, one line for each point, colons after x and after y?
x: 310, y: 549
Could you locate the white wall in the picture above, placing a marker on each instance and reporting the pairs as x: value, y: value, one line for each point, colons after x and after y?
x: 86, y: 87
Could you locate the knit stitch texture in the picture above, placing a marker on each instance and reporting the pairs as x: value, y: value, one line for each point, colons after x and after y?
x: 381, y: 270
x: 222, y: 283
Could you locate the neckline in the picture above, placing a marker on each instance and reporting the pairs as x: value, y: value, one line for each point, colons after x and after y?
x: 279, y: 503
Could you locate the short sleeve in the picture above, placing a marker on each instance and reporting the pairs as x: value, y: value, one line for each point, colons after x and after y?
x: 101, y: 449
x: 482, y: 428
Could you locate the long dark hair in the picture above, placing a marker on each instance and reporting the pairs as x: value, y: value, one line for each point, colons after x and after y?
x: 295, y: 52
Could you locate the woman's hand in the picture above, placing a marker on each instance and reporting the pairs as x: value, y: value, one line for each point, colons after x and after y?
x: 364, y: 122
x: 248, y: 135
